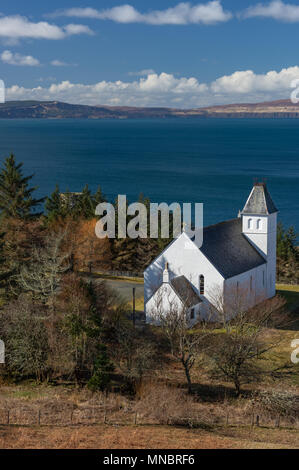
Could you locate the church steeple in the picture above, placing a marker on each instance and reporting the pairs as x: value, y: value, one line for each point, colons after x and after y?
x: 259, y: 201
x: 259, y: 226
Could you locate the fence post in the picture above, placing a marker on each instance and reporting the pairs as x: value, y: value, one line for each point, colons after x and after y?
x: 105, y: 415
x: 277, y: 422
x: 257, y: 420
x: 227, y: 418
x: 7, y: 416
x: 134, y: 306
x: 136, y: 418
x: 38, y: 417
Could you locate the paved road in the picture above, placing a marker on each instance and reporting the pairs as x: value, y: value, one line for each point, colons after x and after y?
x: 125, y: 288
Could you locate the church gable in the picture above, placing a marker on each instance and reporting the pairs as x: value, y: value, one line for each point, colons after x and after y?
x: 184, y: 259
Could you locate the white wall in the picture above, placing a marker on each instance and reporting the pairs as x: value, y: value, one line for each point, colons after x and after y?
x: 164, y: 300
x: 256, y: 277
x: 264, y: 240
x: 183, y: 258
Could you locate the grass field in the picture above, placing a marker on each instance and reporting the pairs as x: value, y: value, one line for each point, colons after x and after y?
x: 120, y: 431
x: 118, y: 434
x: 145, y: 437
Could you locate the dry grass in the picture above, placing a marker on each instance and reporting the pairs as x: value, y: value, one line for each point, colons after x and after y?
x: 191, y: 423
x: 167, y: 416
x: 144, y: 437
x: 288, y: 287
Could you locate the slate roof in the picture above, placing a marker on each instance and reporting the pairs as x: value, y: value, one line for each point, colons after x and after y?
x: 228, y: 249
x: 185, y: 291
x: 259, y: 201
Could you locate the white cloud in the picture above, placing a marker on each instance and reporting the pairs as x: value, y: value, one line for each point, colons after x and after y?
x: 17, y: 27
x: 184, y: 13
x: 141, y: 73
x: 247, y: 82
x: 12, y: 58
x: 276, y: 10
x: 73, y: 29
x: 167, y: 90
x: 60, y: 63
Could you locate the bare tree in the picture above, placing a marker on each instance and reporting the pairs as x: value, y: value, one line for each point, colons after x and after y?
x: 239, y: 349
x: 23, y: 330
x: 186, y: 344
x: 42, y: 275
x: 135, y: 353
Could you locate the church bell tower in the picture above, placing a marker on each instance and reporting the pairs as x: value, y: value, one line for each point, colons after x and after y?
x: 259, y: 225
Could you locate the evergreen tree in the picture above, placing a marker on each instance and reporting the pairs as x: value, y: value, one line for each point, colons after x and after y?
x: 286, y: 242
x: 4, y: 272
x: 85, y: 206
x: 103, y: 368
x: 54, y: 206
x: 135, y: 255
x: 16, y: 198
x: 98, y: 197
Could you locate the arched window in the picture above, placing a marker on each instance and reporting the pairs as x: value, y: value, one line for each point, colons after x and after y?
x: 201, y: 285
x: 249, y: 223
x: 192, y: 314
x: 251, y: 285
x: 259, y: 224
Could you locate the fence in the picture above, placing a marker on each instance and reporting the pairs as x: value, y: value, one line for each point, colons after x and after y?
x: 96, y: 415
x: 68, y: 416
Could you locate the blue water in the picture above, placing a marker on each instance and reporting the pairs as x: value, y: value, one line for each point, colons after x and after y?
x: 210, y: 161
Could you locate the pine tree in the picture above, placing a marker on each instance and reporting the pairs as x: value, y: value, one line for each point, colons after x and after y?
x: 4, y: 272
x: 286, y: 242
x: 16, y: 198
x: 85, y: 207
x: 54, y: 206
x: 134, y: 255
x: 103, y: 368
x: 98, y: 197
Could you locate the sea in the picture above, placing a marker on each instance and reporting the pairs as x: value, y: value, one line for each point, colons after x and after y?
x: 209, y: 161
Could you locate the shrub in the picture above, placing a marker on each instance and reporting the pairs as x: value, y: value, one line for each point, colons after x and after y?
x: 172, y: 406
x: 103, y: 367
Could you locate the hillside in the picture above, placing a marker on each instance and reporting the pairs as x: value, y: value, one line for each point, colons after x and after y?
x: 59, y: 110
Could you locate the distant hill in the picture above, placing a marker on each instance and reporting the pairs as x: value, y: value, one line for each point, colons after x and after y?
x: 59, y: 110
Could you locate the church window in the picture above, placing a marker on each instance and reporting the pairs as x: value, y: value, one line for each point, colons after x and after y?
x: 263, y: 278
x: 250, y: 282
x: 192, y: 314
x: 201, y: 285
x: 249, y: 223
x: 259, y: 224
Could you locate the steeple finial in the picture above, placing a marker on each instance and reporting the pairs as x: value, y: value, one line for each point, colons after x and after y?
x: 166, y: 273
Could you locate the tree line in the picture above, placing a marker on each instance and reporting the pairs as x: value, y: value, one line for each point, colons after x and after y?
x: 55, y: 323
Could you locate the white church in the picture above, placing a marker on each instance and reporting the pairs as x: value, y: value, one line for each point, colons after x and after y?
x: 238, y: 253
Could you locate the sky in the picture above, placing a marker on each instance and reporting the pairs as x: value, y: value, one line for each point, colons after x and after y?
x: 157, y: 53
